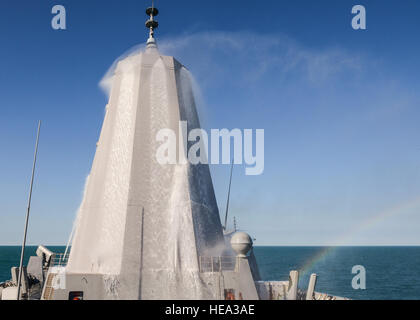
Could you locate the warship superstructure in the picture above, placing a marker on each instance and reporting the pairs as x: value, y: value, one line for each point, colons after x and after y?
x: 146, y: 230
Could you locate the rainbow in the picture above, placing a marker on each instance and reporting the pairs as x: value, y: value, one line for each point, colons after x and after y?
x: 366, y: 224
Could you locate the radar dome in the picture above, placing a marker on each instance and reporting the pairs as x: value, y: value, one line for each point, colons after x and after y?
x: 241, y: 243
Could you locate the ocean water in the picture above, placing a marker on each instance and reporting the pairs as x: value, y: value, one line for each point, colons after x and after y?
x: 391, y: 272
x: 10, y: 257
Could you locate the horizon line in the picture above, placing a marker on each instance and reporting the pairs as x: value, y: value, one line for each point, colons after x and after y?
x: 255, y: 246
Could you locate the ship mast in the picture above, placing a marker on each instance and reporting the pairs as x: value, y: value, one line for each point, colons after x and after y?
x: 228, y: 197
x: 22, y: 255
x: 152, y: 24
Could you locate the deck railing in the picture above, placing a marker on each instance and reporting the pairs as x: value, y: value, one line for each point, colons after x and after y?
x: 59, y: 260
x: 218, y: 264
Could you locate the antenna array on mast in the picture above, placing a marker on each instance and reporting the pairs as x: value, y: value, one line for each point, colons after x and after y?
x: 152, y: 24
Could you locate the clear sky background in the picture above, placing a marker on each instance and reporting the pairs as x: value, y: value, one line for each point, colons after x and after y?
x: 340, y: 109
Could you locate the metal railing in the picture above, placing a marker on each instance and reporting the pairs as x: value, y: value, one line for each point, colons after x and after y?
x: 59, y: 260
x: 218, y: 264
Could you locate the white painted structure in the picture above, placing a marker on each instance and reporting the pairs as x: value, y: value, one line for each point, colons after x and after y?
x: 143, y: 226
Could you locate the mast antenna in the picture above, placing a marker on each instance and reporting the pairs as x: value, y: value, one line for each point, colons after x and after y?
x: 22, y: 255
x: 228, y: 198
x: 152, y: 24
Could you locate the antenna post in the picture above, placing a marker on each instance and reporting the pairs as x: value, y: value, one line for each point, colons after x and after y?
x: 22, y: 254
x: 152, y: 24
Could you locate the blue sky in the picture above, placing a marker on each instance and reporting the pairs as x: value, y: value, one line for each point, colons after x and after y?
x: 340, y: 109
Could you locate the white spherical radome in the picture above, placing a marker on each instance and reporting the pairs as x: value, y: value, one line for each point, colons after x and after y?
x: 241, y: 243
